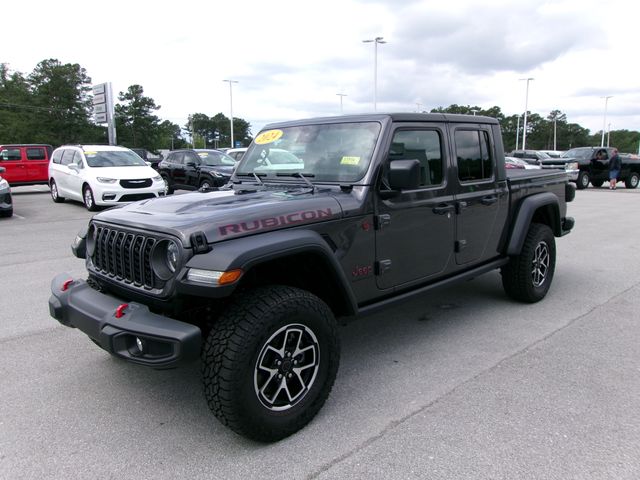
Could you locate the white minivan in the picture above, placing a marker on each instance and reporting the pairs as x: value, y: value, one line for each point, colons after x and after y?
x: 101, y: 175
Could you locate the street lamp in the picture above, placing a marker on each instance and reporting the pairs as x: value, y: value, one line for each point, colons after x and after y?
x: 231, y: 82
x: 526, y: 107
x: 608, y: 134
x: 341, y: 95
x: 375, y: 42
x: 604, y: 120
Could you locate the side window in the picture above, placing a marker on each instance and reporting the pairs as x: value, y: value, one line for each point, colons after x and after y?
x: 57, y: 156
x: 10, y: 154
x: 175, y: 158
x: 424, y: 146
x: 36, y: 154
x: 67, y: 157
x: 473, y: 155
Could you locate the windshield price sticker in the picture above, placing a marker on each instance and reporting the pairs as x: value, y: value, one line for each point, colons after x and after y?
x: 269, y: 136
x: 350, y: 161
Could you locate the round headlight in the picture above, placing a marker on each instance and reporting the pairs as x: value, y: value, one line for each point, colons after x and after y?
x: 165, y: 259
x: 91, y: 240
x: 172, y: 256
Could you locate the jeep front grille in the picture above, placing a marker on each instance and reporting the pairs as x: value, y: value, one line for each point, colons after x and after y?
x: 125, y: 256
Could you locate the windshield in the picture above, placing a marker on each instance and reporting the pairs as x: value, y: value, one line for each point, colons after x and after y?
x: 214, y: 158
x: 577, y: 153
x: 114, y: 158
x: 338, y: 152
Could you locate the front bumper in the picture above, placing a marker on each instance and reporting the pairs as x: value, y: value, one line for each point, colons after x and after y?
x: 107, y: 194
x: 166, y: 342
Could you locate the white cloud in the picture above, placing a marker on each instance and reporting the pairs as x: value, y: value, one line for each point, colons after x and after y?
x: 292, y: 57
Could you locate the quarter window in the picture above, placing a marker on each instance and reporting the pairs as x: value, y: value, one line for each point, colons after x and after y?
x: 36, y: 154
x: 473, y: 155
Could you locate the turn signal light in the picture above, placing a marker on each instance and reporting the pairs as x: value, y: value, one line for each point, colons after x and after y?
x: 65, y: 285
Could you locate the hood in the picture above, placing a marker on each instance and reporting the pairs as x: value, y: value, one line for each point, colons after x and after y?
x: 124, y: 173
x: 226, y: 214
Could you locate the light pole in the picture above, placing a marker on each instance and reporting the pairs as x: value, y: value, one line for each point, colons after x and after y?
x: 375, y: 42
x: 608, y: 134
x: 341, y: 95
x: 526, y: 107
x: 604, y: 120
x: 555, y: 118
x: 231, y: 82
x: 518, y: 132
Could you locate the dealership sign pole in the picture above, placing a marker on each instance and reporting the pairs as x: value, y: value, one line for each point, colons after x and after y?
x: 103, y: 110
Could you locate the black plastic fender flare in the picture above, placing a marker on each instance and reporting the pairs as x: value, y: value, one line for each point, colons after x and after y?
x: 248, y: 252
x: 527, y: 209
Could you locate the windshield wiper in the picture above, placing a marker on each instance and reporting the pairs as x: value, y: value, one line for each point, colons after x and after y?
x: 302, y: 176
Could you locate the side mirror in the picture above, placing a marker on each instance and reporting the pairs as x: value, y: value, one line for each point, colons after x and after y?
x: 404, y: 174
x: 74, y: 167
x: 2, y: 169
x: 190, y: 164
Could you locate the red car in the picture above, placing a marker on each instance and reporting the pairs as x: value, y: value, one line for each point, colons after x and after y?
x: 25, y: 164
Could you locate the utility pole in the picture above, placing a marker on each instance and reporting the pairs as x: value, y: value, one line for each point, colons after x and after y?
x: 604, y: 120
x: 375, y: 41
x: 526, y: 108
x: 341, y: 95
x: 231, y: 82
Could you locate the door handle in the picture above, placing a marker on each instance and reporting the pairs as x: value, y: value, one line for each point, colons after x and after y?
x: 442, y: 209
x: 489, y: 200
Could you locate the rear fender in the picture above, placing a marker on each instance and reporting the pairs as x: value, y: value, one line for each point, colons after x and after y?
x: 546, y: 206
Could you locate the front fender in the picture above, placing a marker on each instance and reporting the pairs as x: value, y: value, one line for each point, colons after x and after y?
x: 248, y: 252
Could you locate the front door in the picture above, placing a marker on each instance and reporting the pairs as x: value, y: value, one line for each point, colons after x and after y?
x: 415, y: 229
x: 482, y: 199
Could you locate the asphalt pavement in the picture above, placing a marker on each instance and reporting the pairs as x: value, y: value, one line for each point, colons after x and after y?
x: 462, y: 383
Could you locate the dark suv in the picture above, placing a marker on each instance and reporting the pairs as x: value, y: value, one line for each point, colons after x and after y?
x: 195, y: 168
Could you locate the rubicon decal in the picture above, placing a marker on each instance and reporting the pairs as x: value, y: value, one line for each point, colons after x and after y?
x: 279, y: 221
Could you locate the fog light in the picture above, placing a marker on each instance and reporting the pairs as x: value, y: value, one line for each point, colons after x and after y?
x: 108, y: 196
x: 140, y: 344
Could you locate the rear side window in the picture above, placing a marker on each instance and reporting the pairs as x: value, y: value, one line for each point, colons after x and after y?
x: 67, y: 157
x: 175, y: 157
x: 10, y: 154
x: 473, y: 155
x: 36, y: 154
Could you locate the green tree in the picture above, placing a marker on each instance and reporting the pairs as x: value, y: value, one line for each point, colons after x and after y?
x: 16, y: 108
x: 204, y: 129
x: 136, y: 124
x: 60, y: 94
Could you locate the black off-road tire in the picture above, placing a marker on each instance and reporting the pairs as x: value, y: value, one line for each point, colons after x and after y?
x: 597, y: 183
x: 243, y: 341
x: 583, y: 180
x: 527, y: 277
x: 632, y: 180
x: 55, y: 195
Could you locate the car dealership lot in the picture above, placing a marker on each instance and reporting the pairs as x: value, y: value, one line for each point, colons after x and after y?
x: 462, y: 383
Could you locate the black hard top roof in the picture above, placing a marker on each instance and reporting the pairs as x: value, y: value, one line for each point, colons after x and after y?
x: 385, y: 117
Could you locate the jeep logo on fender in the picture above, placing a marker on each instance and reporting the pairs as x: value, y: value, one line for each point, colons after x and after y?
x: 279, y: 221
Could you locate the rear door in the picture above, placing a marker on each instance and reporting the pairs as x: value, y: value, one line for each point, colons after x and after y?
x: 415, y: 229
x: 482, y: 198
x: 37, y: 164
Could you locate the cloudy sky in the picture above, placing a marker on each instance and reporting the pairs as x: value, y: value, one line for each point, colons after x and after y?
x: 291, y: 58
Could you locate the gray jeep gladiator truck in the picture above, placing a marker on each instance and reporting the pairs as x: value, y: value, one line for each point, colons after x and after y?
x: 323, y: 218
